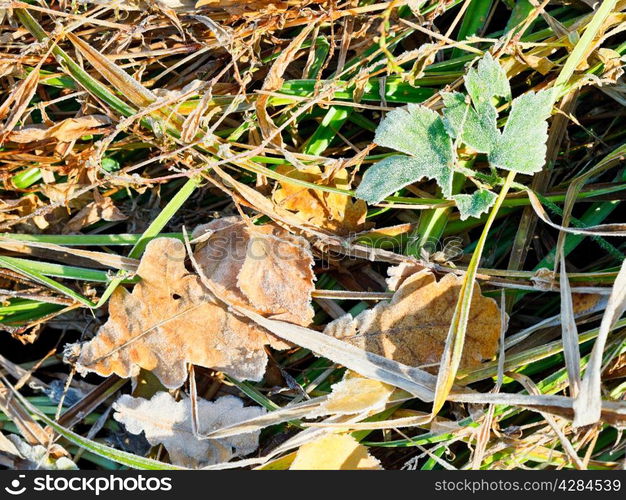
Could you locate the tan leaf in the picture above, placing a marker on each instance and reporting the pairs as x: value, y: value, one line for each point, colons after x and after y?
x: 169, y: 422
x: 102, y: 208
x: 334, y: 211
x: 334, y: 452
x: 356, y: 394
x: 21, y: 207
x: 260, y: 267
x: 15, y: 105
x: 413, y: 326
x: 170, y: 320
x: 63, y: 131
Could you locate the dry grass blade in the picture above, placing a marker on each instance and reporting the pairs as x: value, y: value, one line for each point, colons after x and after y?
x: 274, y: 81
x: 136, y: 93
x: 588, y: 403
x: 453, y: 351
x: 616, y: 229
x: 571, y: 350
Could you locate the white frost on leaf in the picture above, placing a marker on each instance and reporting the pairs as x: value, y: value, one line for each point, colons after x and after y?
x: 169, y: 422
x: 487, y: 80
x: 522, y: 146
x: 475, y: 204
x: 420, y: 133
x: 426, y: 137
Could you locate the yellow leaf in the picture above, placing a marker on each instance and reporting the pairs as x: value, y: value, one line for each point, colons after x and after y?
x: 356, y: 394
x: 334, y: 452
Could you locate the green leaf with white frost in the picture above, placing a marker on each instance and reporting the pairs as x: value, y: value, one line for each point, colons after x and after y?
x: 428, y: 138
x: 486, y: 81
x: 394, y: 172
x: 522, y: 146
x: 476, y: 127
x: 475, y: 204
x: 420, y: 133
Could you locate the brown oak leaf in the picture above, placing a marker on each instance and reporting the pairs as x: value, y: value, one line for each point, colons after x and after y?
x: 413, y: 326
x: 264, y: 268
x: 170, y: 319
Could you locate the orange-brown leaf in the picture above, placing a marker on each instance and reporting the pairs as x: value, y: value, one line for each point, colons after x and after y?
x: 334, y: 211
x: 170, y: 320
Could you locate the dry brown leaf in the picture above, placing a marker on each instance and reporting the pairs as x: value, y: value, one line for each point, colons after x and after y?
x: 102, y: 208
x: 26, y: 205
x: 260, y: 267
x: 616, y: 368
x: 586, y: 302
x: 170, y: 320
x: 63, y: 131
x: 334, y: 452
x: 14, y: 107
x: 169, y: 422
x: 355, y: 394
x: 334, y: 211
x: 412, y: 328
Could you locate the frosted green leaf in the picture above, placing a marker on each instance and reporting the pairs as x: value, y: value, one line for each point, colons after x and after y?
x: 395, y: 172
x: 486, y: 81
x: 522, y: 146
x: 475, y: 204
x: 416, y: 131
x: 476, y: 127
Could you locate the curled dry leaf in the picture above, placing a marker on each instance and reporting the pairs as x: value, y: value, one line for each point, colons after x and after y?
x: 169, y: 320
x: 63, y: 131
x: 412, y: 328
x: 26, y: 205
x: 355, y: 394
x: 102, y: 208
x: 169, y: 422
x: 334, y: 452
x: 264, y: 268
x: 333, y: 211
